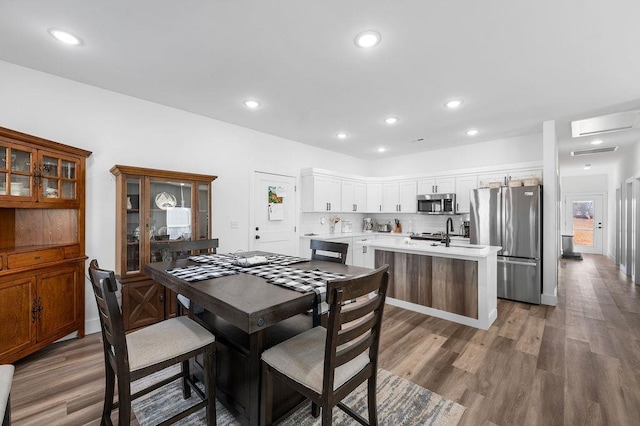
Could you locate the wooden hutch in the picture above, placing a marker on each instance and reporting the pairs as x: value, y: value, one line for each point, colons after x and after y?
x: 153, y: 208
x: 42, y: 242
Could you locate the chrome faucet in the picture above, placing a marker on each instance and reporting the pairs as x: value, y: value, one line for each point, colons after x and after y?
x: 447, y: 239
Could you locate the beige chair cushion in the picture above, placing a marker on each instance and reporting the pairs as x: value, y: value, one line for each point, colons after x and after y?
x: 165, y: 340
x: 6, y: 378
x: 302, y: 359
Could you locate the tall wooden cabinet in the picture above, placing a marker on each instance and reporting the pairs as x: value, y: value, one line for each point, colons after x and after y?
x: 154, y: 206
x: 42, y: 242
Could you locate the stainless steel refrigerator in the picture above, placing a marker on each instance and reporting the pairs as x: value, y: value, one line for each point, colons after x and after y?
x: 512, y: 219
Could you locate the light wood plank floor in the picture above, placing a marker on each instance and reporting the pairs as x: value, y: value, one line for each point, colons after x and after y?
x: 573, y: 364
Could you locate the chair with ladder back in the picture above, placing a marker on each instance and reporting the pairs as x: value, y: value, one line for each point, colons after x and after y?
x: 326, y: 365
x: 129, y: 357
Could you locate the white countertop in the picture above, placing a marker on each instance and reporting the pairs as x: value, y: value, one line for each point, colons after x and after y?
x: 359, y: 234
x: 462, y: 251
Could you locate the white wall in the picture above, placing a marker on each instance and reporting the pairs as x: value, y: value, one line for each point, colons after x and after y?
x: 123, y: 130
x: 496, y: 153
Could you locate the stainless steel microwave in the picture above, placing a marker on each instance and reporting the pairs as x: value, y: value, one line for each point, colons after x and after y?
x: 437, y: 204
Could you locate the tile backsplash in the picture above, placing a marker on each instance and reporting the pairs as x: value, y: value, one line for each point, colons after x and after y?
x: 310, y: 222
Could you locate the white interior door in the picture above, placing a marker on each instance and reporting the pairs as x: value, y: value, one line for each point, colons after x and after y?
x: 584, y: 220
x: 274, y: 225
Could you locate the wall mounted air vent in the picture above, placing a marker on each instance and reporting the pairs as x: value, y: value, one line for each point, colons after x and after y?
x: 593, y: 151
x: 606, y: 123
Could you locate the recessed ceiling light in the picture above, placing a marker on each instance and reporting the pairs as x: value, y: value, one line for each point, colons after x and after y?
x: 251, y: 104
x: 596, y: 142
x: 472, y: 132
x: 65, y: 37
x: 382, y: 149
x: 454, y: 103
x: 391, y: 120
x: 587, y: 166
x: 341, y: 135
x: 368, y: 39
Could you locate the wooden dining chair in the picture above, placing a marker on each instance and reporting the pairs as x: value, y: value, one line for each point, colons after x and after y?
x: 329, y: 246
x: 326, y: 365
x: 129, y: 357
x: 174, y: 250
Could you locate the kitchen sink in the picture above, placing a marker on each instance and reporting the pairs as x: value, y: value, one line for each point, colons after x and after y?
x: 464, y: 246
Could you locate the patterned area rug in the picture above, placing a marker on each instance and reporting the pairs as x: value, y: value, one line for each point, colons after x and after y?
x: 400, y: 402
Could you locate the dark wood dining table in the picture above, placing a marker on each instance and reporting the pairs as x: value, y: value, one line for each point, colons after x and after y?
x: 248, y: 315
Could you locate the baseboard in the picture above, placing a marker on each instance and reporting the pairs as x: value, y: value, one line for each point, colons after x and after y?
x: 549, y: 299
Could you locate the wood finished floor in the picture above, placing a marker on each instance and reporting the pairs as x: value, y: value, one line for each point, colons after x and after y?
x: 574, y: 364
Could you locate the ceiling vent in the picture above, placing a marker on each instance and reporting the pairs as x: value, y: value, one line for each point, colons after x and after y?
x: 593, y: 151
x: 606, y: 123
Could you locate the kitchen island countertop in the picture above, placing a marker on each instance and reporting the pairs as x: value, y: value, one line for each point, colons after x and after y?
x: 457, y: 251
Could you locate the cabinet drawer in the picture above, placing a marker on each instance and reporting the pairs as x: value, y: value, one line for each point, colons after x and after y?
x: 1, y: 261
x: 71, y: 252
x: 33, y: 258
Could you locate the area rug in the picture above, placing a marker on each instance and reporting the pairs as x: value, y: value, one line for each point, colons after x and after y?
x: 400, y: 402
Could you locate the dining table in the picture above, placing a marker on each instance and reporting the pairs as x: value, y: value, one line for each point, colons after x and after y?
x: 248, y: 313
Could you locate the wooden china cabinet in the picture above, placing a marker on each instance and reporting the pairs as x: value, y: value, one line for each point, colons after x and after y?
x: 153, y: 208
x: 42, y: 242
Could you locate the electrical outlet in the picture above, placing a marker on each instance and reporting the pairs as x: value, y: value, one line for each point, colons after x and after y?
x: 322, y: 220
x: 234, y: 224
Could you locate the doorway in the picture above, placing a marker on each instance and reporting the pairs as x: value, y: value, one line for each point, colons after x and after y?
x: 584, y: 220
x: 273, y: 214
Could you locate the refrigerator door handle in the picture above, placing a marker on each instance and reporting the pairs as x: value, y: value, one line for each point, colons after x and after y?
x: 516, y: 262
x: 503, y: 215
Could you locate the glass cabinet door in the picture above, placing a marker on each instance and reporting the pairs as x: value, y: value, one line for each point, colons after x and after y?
x: 58, y: 177
x: 170, y: 213
x: 203, y: 212
x: 133, y: 225
x: 16, y: 171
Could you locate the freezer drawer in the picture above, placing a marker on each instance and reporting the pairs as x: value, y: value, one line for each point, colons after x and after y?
x: 520, y: 279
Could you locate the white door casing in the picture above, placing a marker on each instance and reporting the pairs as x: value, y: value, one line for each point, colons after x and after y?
x: 273, y: 215
x: 585, y: 221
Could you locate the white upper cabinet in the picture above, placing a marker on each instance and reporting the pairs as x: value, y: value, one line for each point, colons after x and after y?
x: 374, y: 197
x: 354, y: 196
x: 437, y: 186
x: 399, y: 197
x: 504, y: 176
x: 464, y: 184
x: 321, y: 193
x: 407, y: 201
x: 390, y: 197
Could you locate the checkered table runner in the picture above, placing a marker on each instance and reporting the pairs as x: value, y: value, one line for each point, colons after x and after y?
x: 296, y: 279
x: 219, y: 265
x: 201, y: 272
x: 227, y: 259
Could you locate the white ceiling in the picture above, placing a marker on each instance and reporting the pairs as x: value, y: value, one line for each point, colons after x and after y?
x: 515, y: 63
